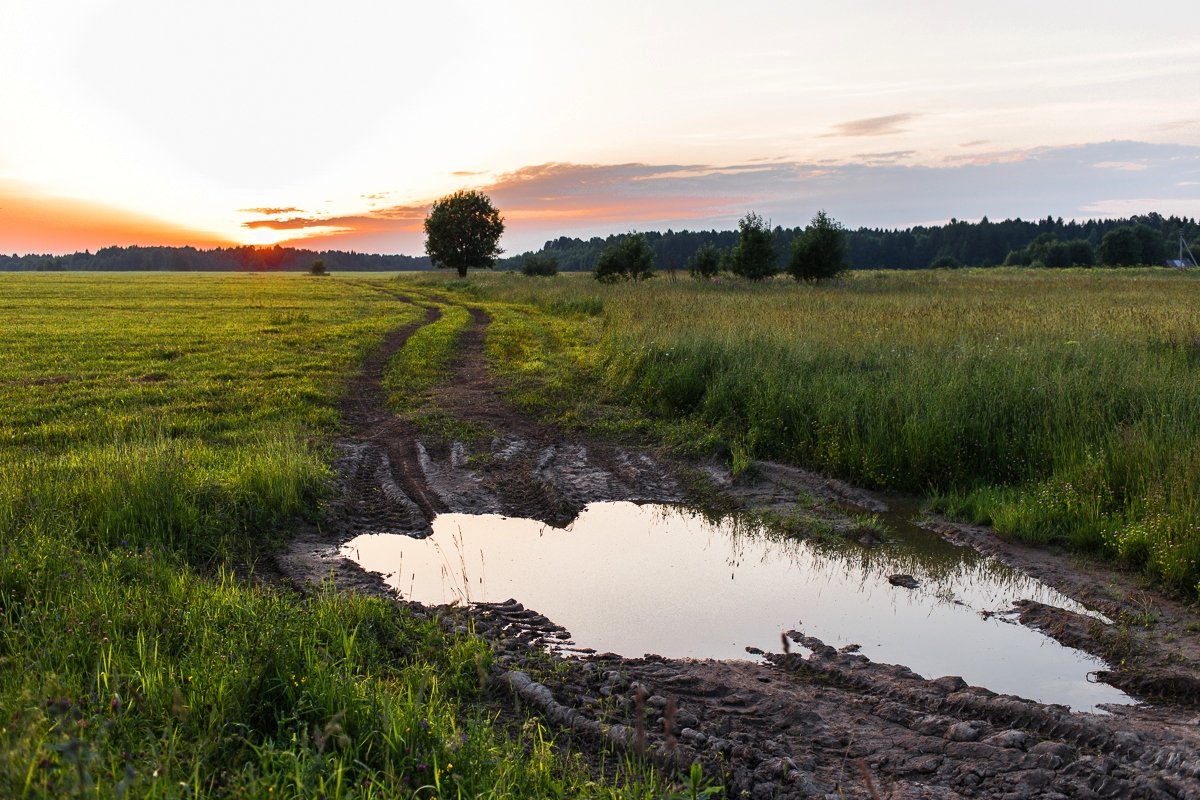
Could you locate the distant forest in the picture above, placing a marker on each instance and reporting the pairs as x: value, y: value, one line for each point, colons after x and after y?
x: 1145, y: 239
x: 224, y: 259
x: 1148, y: 239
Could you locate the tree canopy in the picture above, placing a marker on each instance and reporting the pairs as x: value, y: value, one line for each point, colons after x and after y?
x: 970, y: 244
x: 463, y: 231
x: 754, y: 255
x: 819, y: 252
x: 539, y: 264
x: 705, y: 262
x: 1129, y: 245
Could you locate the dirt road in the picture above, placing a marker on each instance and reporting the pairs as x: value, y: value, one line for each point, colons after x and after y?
x: 824, y: 723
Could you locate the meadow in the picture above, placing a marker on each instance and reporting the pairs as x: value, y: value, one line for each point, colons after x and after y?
x: 1059, y: 406
x: 161, y: 434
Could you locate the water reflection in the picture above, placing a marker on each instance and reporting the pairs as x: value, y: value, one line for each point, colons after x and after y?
x: 658, y: 579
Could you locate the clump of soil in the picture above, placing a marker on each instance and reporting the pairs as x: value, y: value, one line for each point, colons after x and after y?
x: 806, y: 721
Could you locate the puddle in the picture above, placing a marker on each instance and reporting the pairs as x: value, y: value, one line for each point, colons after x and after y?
x: 636, y: 579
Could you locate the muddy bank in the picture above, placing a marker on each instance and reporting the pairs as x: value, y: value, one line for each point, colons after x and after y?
x: 828, y: 723
x: 810, y: 722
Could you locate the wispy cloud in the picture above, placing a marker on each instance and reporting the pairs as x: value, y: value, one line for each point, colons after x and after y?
x: 889, y: 157
x: 986, y: 157
x: 1178, y: 124
x: 872, y: 126
x: 270, y: 212
x: 292, y: 223
x: 1128, y: 206
x: 1127, y: 166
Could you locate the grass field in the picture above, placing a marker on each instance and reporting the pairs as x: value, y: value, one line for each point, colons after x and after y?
x: 162, y: 432
x: 1061, y: 406
x: 159, y: 432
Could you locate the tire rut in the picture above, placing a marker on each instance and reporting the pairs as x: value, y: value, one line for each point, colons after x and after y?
x: 379, y: 480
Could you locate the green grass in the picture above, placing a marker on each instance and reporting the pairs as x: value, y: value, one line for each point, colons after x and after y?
x: 161, y: 433
x: 1058, y: 405
x: 423, y: 361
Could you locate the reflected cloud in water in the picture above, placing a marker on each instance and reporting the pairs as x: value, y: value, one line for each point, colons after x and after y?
x: 643, y: 579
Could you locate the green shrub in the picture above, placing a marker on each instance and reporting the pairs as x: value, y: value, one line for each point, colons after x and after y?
x: 754, y: 255
x: 820, y: 252
x: 705, y: 262
x: 629, y: 258
x: 539, y: 264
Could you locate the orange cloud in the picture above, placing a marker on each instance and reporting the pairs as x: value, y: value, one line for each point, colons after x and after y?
x: 872, y: 126
x: 271, y: 212
x: 552, y: 197
x: 31, y: 222
x: 535, y: 199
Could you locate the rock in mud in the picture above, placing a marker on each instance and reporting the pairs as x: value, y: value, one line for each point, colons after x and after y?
x: 963, y: 732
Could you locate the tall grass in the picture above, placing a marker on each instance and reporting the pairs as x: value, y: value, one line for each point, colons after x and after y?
x: 1060, y: 406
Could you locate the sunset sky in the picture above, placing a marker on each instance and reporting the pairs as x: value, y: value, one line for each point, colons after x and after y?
x: 335, y: 125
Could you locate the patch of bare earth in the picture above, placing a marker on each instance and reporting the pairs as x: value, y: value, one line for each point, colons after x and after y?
x: 817, y: 723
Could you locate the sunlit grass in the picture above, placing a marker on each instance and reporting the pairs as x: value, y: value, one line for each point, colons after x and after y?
x: 161, y: 434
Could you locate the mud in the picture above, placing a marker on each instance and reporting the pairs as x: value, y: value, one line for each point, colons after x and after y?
x: 805, y: 721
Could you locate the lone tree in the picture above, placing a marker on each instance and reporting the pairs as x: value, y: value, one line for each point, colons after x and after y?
x: 819, y: 252
x: 630, y: 257
x: 753, y: 256
x: 463, y: 231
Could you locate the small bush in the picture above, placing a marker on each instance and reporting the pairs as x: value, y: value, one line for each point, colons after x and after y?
x: 629, y: 258
x: 754, y: 255
x: 318, y: 267
x: 705, y: 262
x: 539, y: 264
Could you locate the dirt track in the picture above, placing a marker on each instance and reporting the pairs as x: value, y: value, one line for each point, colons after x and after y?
x: 829, y: 723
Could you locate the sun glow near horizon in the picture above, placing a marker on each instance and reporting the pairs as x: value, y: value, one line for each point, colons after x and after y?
x: 353, y: 120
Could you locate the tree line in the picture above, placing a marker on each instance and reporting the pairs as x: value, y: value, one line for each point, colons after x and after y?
x: 817, y: 253
x: 221, y: 259
x: 1143, y: 239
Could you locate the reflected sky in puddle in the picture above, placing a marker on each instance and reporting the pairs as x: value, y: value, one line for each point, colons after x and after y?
x: 636, y: 579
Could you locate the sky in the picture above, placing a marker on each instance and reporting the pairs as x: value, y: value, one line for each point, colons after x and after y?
x: 334, y: 126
